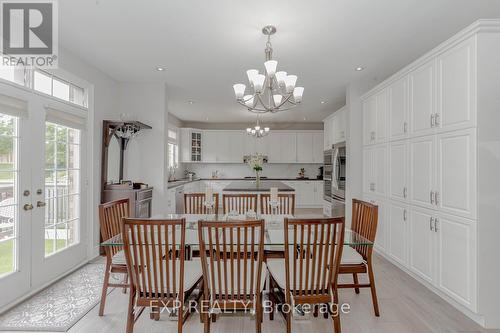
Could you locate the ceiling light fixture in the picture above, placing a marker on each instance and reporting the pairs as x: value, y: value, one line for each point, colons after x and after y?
x: 359, y: 69
x: 323, y: 102
x: 258, y: 131
x: 160, y: 69
x: 273, y: 91
x: 191, y: 102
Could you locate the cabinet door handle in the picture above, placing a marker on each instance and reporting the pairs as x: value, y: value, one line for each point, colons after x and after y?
x: 404, y: 215
x: 404, y: 192
x: 436, y: 221
x: 436, y: 119
x: 405, y: 127
x: 432, y: 120
x: 431, y: 221
x: 436, y: 198
x: 432, y: 197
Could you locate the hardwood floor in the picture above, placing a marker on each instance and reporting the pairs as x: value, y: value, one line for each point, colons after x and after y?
x: 405, y: 306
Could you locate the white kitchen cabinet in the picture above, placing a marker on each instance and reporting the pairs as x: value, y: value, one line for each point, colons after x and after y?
x: 398, y: 233
x: 375, y: 170
x: 455, y: 189
x: 382, y: 235
x: 318, y: 147
x: 381, y: 169
x: 456, y: 88
x: 236, y: 142
x: 456, y: 253
x: 369, y: 120
x: 398, y: 109
x: 185, y: 145
x: 368, y: 169
x: 282, y: 147
x: 422, y: 171
x: 422, y: 243
x: 170, y: 201
x: 209, y: 147
x: 249, y: 144
x: 381, y: 116
x: 222, y: 139
x: 398, y: 170
x: 339, y: 126
x: 421, y: 103
x: 305, y: 144
x: 308, y: 194
x: 328, y: 133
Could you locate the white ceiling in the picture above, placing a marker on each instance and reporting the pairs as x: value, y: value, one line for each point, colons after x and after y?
x: 206, y: 46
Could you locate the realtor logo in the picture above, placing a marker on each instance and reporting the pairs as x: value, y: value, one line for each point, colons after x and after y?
x: 29, y: 33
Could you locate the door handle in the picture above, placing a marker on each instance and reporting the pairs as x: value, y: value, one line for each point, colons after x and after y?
x: 436, y: 221
x: 40, y: 204
x: 436, y: 119
x: 431, y: 221
x: 404, y: 192
x: 405, y: 127
x: 436, y: 198
x: 404, y: 215
x: 28, y: 207
x: 432, y: 120
x: 432, y: 197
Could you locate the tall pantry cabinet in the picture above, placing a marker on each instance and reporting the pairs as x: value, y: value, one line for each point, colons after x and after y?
x: 431, y: 161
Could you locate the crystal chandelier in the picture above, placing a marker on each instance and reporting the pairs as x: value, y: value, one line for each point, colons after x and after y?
x: 272, y: 92
x: 257, y: 131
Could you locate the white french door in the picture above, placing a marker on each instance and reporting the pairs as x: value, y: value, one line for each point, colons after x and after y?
x: 42, y: 199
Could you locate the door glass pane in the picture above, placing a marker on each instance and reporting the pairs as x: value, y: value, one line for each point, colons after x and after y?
x: 62, y: 187
x: 8, y: 194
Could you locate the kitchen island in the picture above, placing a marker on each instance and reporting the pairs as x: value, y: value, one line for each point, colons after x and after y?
x: 251, y: 186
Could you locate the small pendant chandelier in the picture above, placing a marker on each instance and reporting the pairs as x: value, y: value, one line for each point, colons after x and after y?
x: 257, y: 131
x: 272, y: 92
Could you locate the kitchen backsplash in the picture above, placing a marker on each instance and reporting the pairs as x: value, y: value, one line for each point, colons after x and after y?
x: 242, y: 170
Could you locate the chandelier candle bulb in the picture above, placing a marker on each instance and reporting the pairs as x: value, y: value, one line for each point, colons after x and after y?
x: 252, y: 73
x: 258, y: 82
x: 239, y: 90
x: 297, y: 94
x: 271, y: 67
x: 280, y: 77
x: 290, y: 81
x: 277, y: 99
x: 266, y: 129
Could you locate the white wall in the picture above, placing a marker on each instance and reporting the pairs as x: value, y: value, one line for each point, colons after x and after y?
x: 105, y: 97
x: 145, y: 157
x: 241, y: 170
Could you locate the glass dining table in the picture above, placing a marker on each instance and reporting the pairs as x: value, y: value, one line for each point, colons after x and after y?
x: 274, y: 229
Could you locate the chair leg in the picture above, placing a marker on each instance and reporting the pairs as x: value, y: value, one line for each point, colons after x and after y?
x: 373, y: 290
x: 206, y: 323
x: 336, y: 314
x: 315, y: 311
x: 356, y: 281
x: 125, y: 281
x: 258, y: 319
x: 130, y: 314
x: 289, y: 322
x: 180, y: 319
x: 104, y: 288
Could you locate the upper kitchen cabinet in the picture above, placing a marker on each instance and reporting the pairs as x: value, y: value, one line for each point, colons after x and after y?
x: 304, y: 145
x: 282, y: 147
x: 456, y: 87
x: 190, y: 145
x: 335, y: 128
x: 421, y: 103
x: 369, y: 120
x: 398, y: 109
x: 318, y: 139
x: 381, y: 116
x: 328, y: 133
x: 209, y: 147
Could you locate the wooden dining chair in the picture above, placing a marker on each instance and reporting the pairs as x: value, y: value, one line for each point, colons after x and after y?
x: 233, y: 270
x: 357, y: 259
x: 308, y: 274
x: 286, y: 204
x: 194, y: 203
x: 240, y: 203
x: 160, y: 276
x: 110, y: 215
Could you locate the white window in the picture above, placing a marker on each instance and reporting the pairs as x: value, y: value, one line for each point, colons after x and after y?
x: 173, y: 149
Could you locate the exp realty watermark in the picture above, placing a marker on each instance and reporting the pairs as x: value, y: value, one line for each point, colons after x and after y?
x: 29, y: 31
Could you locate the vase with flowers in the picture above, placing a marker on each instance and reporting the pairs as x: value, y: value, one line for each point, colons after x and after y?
x: 256, y: 161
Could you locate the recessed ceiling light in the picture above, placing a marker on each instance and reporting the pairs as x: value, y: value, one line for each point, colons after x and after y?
x: 359, y: 69
x: 323, y: 102
x: 160, y: 69
x: 304, y: 118
x: 191, y: 102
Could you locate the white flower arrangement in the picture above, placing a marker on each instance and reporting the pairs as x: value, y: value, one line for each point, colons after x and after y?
x: 256, y: 161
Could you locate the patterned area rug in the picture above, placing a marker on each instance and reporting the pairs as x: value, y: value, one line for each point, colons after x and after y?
x: 59, y: 306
